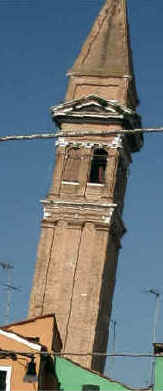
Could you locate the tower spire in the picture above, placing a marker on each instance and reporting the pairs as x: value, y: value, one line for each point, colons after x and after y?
x: 107, y: 52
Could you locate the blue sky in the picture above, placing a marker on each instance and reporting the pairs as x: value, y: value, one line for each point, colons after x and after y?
x: 39, y: 42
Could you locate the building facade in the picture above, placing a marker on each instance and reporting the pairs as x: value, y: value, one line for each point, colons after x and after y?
x: 73, y: 377
x: 22, y: 341
x: 82, y: 224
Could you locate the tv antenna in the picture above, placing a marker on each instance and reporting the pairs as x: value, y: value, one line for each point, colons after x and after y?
x: 9, y: 287
x: 114, y: 326
x: 156, y: 294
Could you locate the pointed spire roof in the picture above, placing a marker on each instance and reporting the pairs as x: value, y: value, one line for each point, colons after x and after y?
x: 107, y: 51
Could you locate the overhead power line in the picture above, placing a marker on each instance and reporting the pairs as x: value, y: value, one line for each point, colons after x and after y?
x: 62, y: 354
x: 108, y: 132
x: 77, y: 133
x: 34, y: 136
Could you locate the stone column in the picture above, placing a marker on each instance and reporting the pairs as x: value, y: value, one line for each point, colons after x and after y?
x: 110, y: 173
x: 58, y: 172
x: 85, y: 165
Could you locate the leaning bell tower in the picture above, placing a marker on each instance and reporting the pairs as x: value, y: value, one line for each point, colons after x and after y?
x: 82, y: 223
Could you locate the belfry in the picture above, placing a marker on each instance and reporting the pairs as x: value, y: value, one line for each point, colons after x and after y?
x: 82, y: 223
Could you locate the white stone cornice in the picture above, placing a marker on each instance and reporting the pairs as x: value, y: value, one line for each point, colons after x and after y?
x: 117, y: 142
x: 61, y: 142
x: 77, y: 203
x: 80, y: 212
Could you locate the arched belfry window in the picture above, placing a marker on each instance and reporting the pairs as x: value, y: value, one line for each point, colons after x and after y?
x: 72, y: 165
x: 98, y: 166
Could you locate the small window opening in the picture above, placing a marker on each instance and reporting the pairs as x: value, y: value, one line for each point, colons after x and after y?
x: 98, y: 166
x: 90, y: 387
x: 3, y: 380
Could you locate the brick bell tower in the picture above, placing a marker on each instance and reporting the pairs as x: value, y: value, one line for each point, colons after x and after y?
x: 82, y: 225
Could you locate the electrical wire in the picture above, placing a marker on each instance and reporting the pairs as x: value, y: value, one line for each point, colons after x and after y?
x: 62, y: 354
x: 77, y: 133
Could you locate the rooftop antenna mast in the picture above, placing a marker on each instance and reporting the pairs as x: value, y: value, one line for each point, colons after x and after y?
x: 156, y: 293
x: 9, y: 287
x: 114, y: 325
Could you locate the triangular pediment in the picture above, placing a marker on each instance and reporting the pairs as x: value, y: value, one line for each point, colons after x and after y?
x: 90, y: 105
